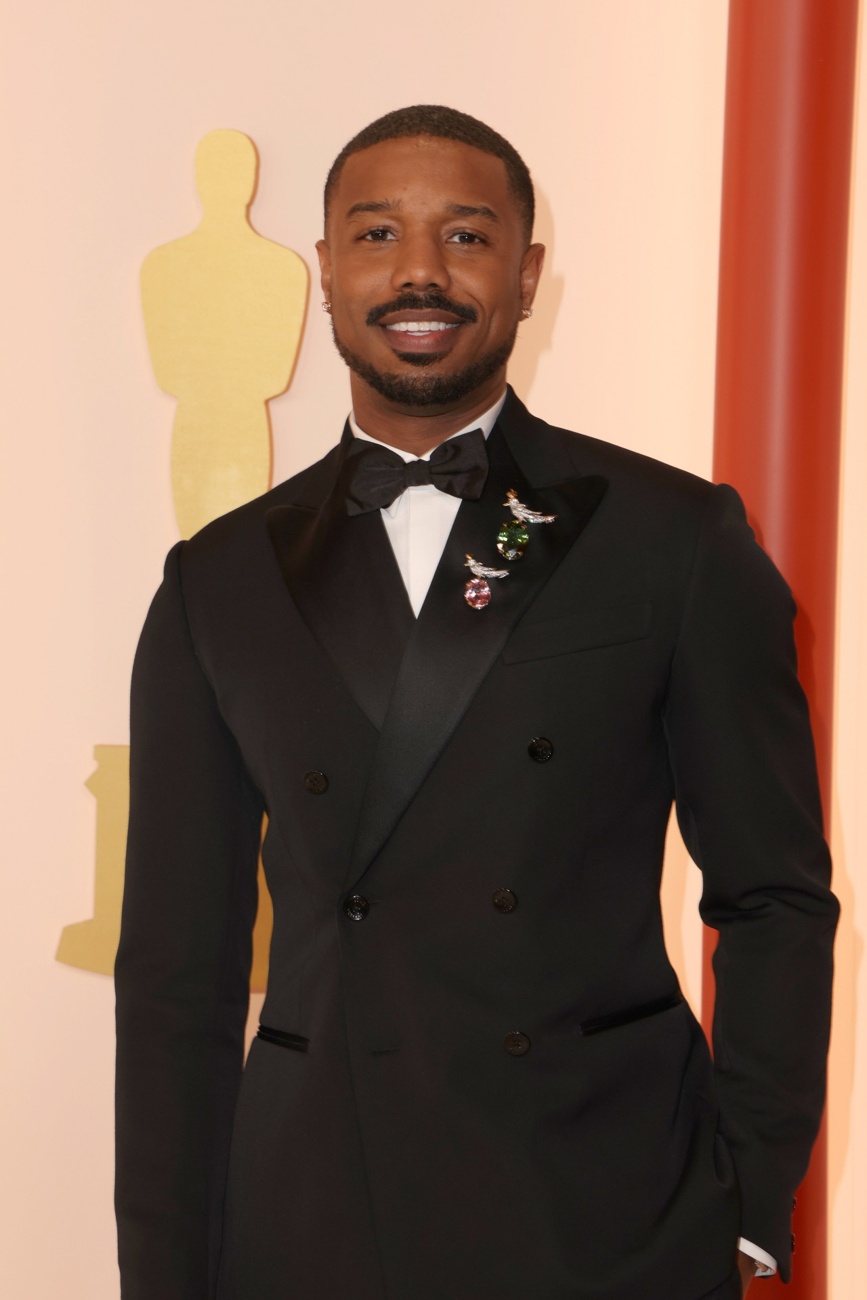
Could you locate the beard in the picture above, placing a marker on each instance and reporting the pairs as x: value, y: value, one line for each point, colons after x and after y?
x: 427, y: 389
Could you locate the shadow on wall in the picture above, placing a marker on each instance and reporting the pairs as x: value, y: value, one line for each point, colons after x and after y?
x: 536, y: 335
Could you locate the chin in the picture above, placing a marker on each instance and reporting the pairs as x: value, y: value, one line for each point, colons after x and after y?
x: 413, y: 389
x: 421, y: 358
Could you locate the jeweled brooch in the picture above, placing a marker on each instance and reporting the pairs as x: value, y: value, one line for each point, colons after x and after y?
x: 477, y: 592
x: 514, y: 535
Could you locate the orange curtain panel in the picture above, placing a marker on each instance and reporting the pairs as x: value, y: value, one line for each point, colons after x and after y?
x: 781, y: 324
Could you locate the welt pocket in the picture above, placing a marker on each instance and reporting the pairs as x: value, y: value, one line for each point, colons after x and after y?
x: 591, y: 629
x: 598, y: 1024
x: 280, y: 1038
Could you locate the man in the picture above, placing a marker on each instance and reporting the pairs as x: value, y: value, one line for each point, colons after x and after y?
x: 466, y: 689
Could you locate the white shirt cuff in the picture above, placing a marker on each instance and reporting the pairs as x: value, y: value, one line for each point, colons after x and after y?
x: 767, y: 1265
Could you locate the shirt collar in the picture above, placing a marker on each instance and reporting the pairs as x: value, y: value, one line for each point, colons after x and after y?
x: 485, y: 422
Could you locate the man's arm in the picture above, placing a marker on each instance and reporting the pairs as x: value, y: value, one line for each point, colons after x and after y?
x: 182, y: 971
x: 748, y: 807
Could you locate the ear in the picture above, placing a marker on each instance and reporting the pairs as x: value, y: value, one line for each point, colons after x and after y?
x: 324, y: 253
x: 531, y: 269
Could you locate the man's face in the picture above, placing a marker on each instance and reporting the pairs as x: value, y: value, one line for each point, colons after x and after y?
x: 427, y: 269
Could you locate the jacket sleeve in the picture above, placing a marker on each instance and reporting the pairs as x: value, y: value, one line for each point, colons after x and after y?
x: 748, y: 806
x: 182, y: 971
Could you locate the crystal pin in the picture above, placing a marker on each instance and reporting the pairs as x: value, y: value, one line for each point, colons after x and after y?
x: 477, y: 592
x: 520, y: 511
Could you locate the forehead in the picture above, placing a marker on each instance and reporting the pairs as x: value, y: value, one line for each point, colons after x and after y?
x: 425, y: 171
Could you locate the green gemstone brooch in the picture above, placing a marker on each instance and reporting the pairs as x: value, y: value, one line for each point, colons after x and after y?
x: 514, y: 535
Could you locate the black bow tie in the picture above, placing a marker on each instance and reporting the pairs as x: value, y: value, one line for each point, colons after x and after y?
x: 377, y: 475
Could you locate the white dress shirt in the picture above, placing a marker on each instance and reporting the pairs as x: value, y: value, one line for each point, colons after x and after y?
x: 418, y: 523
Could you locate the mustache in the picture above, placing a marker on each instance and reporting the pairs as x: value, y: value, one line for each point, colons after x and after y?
x: 421, y: 302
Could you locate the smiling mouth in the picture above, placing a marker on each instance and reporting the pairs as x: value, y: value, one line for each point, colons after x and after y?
x: 421, y: 327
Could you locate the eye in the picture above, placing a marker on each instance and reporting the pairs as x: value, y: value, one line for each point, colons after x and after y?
x: 378, y: 235
x: 465, y: 237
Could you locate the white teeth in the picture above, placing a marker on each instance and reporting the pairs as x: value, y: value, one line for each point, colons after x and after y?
x: 420, y: 326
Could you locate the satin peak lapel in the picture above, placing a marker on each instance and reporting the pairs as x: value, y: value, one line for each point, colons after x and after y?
x: 453, y: 647
x: 344, y: 579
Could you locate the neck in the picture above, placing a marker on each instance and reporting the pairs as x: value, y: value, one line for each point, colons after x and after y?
x: 418, y: 429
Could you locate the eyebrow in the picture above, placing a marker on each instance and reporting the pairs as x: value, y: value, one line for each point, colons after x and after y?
x: 469, y: 210
x: 453, y: 209
x: 373, y: 205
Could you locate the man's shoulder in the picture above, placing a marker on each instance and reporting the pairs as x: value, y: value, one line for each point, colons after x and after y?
x: 241, y: 527
x: 595, y: 455
x: 230, y: 563
x: 631, y: 475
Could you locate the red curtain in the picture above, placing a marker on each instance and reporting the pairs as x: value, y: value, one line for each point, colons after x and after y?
x: 782, y: 299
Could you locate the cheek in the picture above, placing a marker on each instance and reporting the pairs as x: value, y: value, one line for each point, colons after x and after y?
x: 356, y: 281
x: 350, y: 307
x: 504, y: 314
x: 500, y: 294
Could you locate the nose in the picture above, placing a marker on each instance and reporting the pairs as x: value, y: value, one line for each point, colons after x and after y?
x: 420, y: 262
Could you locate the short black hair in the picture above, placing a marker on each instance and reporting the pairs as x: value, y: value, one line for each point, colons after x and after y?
x: 445, y: 124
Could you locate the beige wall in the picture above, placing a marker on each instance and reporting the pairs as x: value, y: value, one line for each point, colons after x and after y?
x: 617, y: 105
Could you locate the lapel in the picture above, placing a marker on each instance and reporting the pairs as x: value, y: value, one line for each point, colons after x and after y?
x: 452, y: 647
x: 344, y: 579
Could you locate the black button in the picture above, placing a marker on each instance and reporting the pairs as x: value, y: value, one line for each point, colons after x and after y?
x: 540, y: 749
x: 315, y: 782
x: 504, y: 900
x: 356, y: 907
x: 517, y: 1044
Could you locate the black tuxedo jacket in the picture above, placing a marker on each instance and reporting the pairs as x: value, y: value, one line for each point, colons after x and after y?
x: 478, y: 1080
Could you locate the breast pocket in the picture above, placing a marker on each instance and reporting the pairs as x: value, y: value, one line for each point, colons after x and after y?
x: 590, y: 629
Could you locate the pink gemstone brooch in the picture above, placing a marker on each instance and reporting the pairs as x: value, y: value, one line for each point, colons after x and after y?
x: 477, y: 592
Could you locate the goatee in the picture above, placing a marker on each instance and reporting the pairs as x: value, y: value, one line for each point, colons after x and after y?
x: 426, y: 389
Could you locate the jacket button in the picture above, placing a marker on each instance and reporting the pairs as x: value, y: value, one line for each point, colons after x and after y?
x: 540, y: 749
x: 356, y: 907
x: 315, y: 782
x: 516, y: 1043
x: 504, y: 900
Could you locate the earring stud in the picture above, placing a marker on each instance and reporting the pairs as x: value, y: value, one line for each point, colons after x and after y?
x: 326, y: 307
x: 526, y: 313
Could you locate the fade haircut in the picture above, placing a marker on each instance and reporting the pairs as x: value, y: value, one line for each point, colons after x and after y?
x: 445, y: 124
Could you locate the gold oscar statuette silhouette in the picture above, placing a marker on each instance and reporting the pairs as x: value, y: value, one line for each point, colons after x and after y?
x: 92, y: 944
x: 224, y: 311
